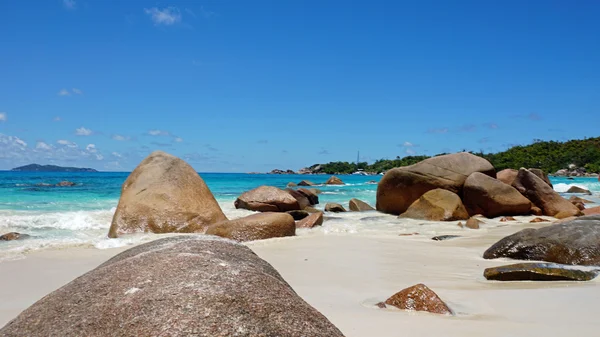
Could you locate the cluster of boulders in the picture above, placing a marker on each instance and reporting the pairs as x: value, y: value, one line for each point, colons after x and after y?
x: 574, y: 171
x: 459, y: 186
x: 333, y: 180
x: 65, y: 183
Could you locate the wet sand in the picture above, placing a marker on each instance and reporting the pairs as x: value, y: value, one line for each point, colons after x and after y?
x: 343, y: 276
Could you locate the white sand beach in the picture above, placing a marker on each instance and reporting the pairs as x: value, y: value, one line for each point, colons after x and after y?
x: 343, y: 276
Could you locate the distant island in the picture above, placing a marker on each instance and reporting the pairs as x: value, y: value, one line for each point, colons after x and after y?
x: 570, y: 158
x: 50, y: 168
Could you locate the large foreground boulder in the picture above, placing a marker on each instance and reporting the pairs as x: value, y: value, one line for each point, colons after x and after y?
x: 258, y: 226
x: 437, y: 205
x: 400, y: 187
x: 164, y: 195
x: 267, y: 199
x: 542, y: 195
x: 576, y: 242
x: 315, y: 219
x: 490, y: 197
x: 507, y: 176
x: 542, y: 175
x: 312, y: 196
x: 180, y: 286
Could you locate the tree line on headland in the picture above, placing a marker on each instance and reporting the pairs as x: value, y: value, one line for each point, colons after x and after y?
x: 549, y: 156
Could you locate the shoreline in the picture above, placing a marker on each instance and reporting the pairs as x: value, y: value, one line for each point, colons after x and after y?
x: 344, y: 275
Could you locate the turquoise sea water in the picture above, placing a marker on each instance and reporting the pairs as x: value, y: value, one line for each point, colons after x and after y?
x: 59, y: 217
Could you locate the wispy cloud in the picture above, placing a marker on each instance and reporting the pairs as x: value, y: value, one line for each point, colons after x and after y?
x: 468, y: 128
x: 117, y: 155
x: 166, y: 16
x: 43, y: 146
x: 64, y: 92
x: 438, y: 130
x: 484, y: 140
x: 3, y: 116
x: 178, y: 139
x: 211, y: 148
x: 534, y: 116
x: 91, y: 148
x: 66, y: 143
x: 162, y: 144
x: 408, y: 147
x: 492, y: 126
x: 57, y: 119
x: 323, y: 152
x: 158, y: 133
x: 83, y: 131
x: 120, y: 138
x: 77, y: 91
x: 69, y: 4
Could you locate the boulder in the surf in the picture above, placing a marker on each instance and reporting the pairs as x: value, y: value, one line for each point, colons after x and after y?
x: 302, y: 199
x: 315, y: 219
x: 164, y: 195
x: 178, y: 286
x: 485, y: 195
x: 333, y: 180
x: 401, y: 186
x: 357, y: 205
x: 257, y: 226
x: 312, y: 196
x: 13, y: 236
x: 334, y: 207
x: 419, y: 298
x: 579, y: 190
x: 65, y: 184
x: 267, y: 199
x: 291, y: 184
x: 473, y: 223
x: 574, y: 199
x: 298, y: 214
x: 542, y: 195
x: 576, y: 242
x: 538, y: 272
x: 306, y: 183
x: 437, y: 205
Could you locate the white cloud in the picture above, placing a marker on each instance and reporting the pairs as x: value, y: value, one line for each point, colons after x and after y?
x: 179, y: 139
x: 116, y: 154
x: 43, y: 146
x: 69, y: 4
x: 99, y: 156
x: 64, y: 92
x: 408, y: 144
x: 120, y: 138
x: 166, y: 16
x: 158, y: 133
x: 91, y: 148
x: 83, y: 131
x: 66, y: 143
x: 3, y: 116
x: 77, y: 91
x: 57, y: 119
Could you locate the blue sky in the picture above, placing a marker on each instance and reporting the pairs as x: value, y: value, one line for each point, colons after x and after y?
x: 237, y: 86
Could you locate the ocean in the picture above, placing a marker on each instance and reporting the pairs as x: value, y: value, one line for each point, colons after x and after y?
x: 80, y: 215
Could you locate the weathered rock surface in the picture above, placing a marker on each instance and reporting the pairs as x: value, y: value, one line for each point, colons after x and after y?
x: 258, y: 226
x: 313, y: 198
x: 592, y: 211
x: 315, y: 191
x: 359, y: 205
x: 334, y: 207
x: 541, y: 174
x: 302, y: 199
x: 573, y: 199
x: 536, y: 210
x: 419, y: 298
x: 536, y: 220
x: 298, y: 214
x: 537, y: 272
x: 542, y: 195
x: 574, y: 242
x: 306, y: 183
x: 437, y: 205
x: 485, y: 195
x: 473, y: 223
x: 576, y: 189
x: 333, y: 180
x: 400, y: 187
x: 180, y: 286
x: 164, y: 195
x: 13, y: 236
x: 291, y: 184
x: 315, y: 219
x: 267, y: 199
x: 507, y: 218
x: 507, y: 176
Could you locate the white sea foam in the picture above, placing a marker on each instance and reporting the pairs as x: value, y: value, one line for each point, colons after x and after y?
x: 562, y: 188
x: 77, y: 220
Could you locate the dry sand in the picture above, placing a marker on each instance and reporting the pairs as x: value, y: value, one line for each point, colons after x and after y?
x: 343, y: 276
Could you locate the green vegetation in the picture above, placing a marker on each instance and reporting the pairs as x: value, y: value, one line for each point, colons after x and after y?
x: 549, y: 156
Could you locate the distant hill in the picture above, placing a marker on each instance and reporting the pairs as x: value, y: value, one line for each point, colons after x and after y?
x: 549, y: 156
x: 51, y: 168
